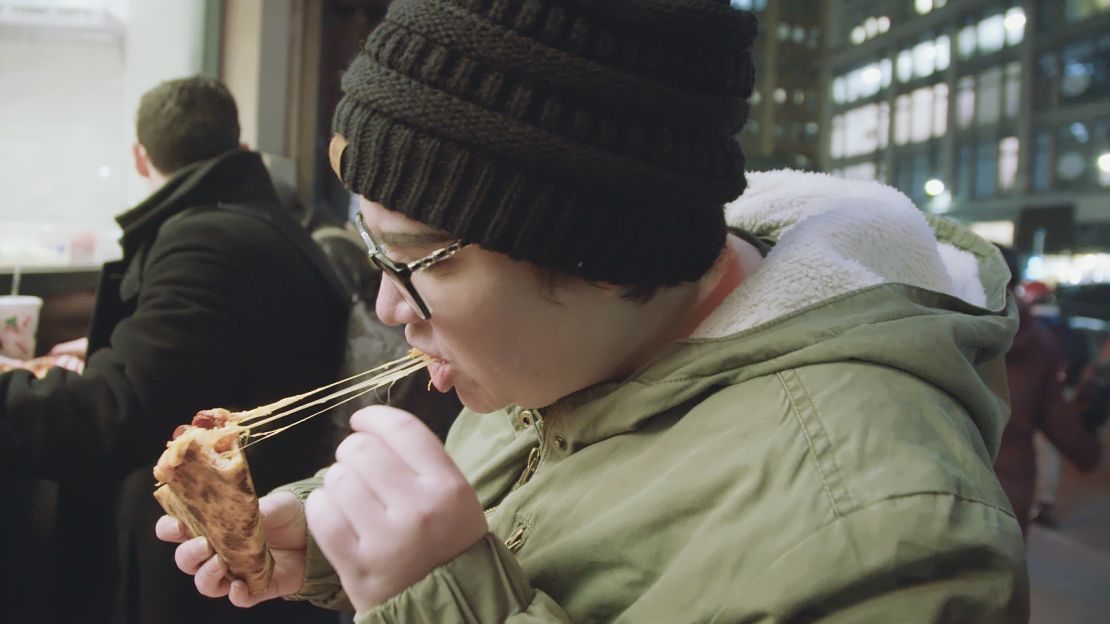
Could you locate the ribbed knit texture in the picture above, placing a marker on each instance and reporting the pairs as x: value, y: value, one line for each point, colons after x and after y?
x: 595, y: 137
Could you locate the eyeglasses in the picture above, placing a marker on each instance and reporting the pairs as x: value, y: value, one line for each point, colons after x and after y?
x: 400, y: 273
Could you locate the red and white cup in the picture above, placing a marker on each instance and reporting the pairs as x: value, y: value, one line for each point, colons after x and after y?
x: 19, y: 323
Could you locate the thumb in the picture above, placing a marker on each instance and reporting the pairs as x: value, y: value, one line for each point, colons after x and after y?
x: 283, y: 520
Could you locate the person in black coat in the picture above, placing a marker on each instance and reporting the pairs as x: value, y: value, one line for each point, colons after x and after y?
x: 221, y: 300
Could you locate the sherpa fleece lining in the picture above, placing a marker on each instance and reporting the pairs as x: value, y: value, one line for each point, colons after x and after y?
x: 834, y: 236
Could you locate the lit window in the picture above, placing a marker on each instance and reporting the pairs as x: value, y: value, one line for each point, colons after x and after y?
x: 967, y: 41
x: 836, y: 146
x: 884, y: 125
x: 965, y: 102
x: 840, y: 90
x: 924, y: 59
x: 1071, y: 166
x: 986, y: 171
x: 861, y: 130
x: 780, y: 95
x: 923, y: 6
x: 989, y: 108
x: 884, y: 24
x: 1079, y: 131
x: 921, y: 117
x: 1015, y: 25
x: 944, y: 52
x: 1007, y: 162
x: 902, y: 119
x: 871, y: 27
x: 1013, y: 90
x: 71, y: 73
x: 859, y: 35
x: 940, y: 109
x: 992, y: 34
x: 905, y: 66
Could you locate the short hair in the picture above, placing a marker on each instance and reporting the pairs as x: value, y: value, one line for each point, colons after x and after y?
x: 188, y: 120
x: 552, y: 280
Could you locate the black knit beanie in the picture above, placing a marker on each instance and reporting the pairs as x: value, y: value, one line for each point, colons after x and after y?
x: 594, y: 137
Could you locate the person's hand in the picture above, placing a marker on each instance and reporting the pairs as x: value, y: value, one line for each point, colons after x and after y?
x: 392, y: 508
x: 283, y: 523
x: 76, y: 348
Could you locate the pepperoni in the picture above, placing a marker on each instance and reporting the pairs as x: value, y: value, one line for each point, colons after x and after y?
x: 225, y: 443
x: 180, y: 430
x: 211, y: 418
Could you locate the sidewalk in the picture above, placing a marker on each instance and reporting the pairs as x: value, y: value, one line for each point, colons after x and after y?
x: 1069, y: 568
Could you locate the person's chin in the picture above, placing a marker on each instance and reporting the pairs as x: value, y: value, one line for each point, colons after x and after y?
x: 477, y: 401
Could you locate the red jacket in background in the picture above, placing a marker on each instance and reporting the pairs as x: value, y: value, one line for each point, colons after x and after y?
x: 1035, y: 368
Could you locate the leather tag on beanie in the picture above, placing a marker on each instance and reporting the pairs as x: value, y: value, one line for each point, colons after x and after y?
x: 336, y: 148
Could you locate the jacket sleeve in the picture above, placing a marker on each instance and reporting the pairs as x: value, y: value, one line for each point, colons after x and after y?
x: 1062, y: 421
x: 856, y: 570
x: 321, y: 584
x: 174, y: 353
x: 483, y: 584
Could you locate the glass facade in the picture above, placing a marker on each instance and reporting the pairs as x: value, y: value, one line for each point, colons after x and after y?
x: 784, y: 124
x: 999, y: 105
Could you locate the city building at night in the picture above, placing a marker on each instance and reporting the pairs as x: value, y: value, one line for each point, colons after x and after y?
x: 991, y: 112
x: 784, y: 126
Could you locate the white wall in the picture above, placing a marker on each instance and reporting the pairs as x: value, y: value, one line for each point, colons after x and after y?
x: 165, y: 40
x: 68, y: 97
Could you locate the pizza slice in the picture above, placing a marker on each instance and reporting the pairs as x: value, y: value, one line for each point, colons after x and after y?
x: 203, y: 477
x: 207, y: 486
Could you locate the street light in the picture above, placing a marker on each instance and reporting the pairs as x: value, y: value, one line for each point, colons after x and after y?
x: 1104, y: 162
x: 934, y: 187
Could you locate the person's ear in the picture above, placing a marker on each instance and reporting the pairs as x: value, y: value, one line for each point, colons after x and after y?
x: 142, y: 163
x: 244, y: 147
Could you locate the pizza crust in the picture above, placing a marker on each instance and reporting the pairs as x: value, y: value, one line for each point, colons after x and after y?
x: 212, y: 494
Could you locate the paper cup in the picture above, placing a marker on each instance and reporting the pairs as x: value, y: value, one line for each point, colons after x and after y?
x: 19, y: 322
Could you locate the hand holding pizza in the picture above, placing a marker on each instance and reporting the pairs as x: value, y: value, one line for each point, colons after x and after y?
x: 283, y: 522
x: 392, y: 508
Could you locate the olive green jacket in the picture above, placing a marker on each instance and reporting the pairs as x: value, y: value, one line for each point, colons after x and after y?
x: 820, y: 450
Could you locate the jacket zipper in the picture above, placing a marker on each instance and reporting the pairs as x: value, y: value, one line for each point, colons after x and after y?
x: 515, y: 539
x: 530, y: 467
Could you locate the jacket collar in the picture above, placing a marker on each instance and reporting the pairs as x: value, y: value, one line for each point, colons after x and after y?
x: 237, y: 176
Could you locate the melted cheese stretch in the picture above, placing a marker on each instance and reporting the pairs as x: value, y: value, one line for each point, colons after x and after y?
x: 386, y: 374
x: 239, y: 423
x: 206, y: 440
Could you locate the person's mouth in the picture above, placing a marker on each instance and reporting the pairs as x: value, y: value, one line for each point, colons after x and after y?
x: 440, y: 371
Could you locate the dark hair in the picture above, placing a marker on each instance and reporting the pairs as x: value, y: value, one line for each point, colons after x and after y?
x: 188, y: 120
x: 552, y: 280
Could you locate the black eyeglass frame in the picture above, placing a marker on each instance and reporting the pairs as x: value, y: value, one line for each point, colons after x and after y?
x: 401, y: 272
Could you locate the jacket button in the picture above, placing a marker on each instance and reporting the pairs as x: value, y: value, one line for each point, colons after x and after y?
x: 526, y: 418
x: 560, y: 443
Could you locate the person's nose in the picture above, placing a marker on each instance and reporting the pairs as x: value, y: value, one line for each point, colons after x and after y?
x: 391, y: 307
